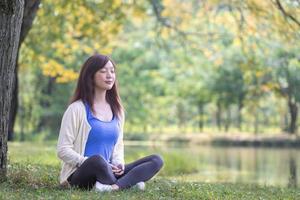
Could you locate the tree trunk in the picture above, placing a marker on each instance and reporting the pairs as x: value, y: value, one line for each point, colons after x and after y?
x: 228, y: 119
x: 30, y: 9
x: 201, y: 113
x: 218, y: 115
x: 240, y: 117
x: 45, y: 103
x: 11, y: 14
x: 256, y: 122
x: 286, y: 122
x: 14, y: 104
x: 293, y: 108
x: 22, y: 120
x: 180, y: 116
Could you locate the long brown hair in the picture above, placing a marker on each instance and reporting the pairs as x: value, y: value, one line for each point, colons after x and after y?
x: 85, y: 85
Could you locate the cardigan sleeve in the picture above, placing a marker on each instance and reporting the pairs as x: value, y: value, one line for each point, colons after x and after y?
x: 118, y: 152
x: 67, y: 134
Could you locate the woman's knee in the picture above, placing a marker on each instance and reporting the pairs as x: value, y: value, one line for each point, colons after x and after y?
x: 158, y: 161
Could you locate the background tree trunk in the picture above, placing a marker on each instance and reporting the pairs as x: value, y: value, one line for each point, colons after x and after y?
x: 240, y: 117
x: 228, y: 119
x: 293, y: 108
x: 256, y: 121
x: 218, y: 115
x: 201, y: 115
x: 11, y: 14
x: 30, y: 10
x: 46, y: 103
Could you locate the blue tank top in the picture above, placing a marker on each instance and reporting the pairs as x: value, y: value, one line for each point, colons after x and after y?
x: 102, y: 137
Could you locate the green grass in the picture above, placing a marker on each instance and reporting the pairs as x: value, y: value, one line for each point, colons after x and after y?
x: 33, y: 174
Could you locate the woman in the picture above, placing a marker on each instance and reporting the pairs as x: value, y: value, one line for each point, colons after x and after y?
x: 90, y: 142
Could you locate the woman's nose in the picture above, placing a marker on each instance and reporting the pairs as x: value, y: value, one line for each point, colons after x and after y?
x: 108, y: 74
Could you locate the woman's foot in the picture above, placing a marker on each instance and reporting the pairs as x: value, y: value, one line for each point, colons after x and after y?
x: 99, y: 187
x: 140, y: 185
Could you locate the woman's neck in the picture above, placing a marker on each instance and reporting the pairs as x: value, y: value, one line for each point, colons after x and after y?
x: 100, y: 96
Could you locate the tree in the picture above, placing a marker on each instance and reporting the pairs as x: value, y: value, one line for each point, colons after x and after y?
x: 287, y: 75
x: 229, y: 89
x: 10, y: 28
x: 63, y: 36
x: 30, y: 9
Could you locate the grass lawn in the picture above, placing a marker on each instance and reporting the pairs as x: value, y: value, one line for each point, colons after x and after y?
x: 33, y: 174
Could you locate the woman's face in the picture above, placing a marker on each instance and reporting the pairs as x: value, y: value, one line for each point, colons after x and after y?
x: 105, y: 77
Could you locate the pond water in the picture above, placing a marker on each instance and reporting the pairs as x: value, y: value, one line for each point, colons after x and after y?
x: 264, y: 166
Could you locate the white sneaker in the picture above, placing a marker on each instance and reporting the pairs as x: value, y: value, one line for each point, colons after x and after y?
x: 140, y: 185
x: 99, y: 187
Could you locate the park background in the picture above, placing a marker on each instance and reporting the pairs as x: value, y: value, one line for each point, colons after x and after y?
x: 213, y: 86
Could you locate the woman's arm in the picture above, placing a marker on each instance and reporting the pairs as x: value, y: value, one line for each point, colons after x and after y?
x: 68, y: 132
x: 118, y: 153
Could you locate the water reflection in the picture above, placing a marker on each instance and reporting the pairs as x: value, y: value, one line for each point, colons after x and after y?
x: 265, y: 166
x: 293, y: 172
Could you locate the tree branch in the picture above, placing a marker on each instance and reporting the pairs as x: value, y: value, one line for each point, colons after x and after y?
x: 285, y: 13
x: 30, y: 10
x: 158, y: 8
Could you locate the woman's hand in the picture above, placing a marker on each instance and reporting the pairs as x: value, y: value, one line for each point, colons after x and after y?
x: 117, y: 170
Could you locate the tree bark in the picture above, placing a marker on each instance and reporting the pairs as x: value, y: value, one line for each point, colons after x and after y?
x: 201, y: 114
x: 240, y: 117
x: 11, y: 14
x: 180, y: 116
x: 30, y: 10
x: 228, y: 119
x: 14, y: 104
x: 256, y: 121
x: 293, y: 114
x: 218, y: 115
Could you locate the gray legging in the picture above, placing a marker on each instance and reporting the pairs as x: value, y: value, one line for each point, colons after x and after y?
x: 95, y: 168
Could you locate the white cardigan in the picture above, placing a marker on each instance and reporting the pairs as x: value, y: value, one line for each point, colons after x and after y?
x: 72, y: 138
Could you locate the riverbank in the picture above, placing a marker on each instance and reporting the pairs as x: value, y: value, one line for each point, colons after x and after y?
x: 279, y: 140
x: 33, y: 172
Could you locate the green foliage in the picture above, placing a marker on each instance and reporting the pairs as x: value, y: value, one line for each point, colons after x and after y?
x: 205, y: 65
x: 287, y: 72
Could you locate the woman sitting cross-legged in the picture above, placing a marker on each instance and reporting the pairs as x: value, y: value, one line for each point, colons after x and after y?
x: 90, y: 142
